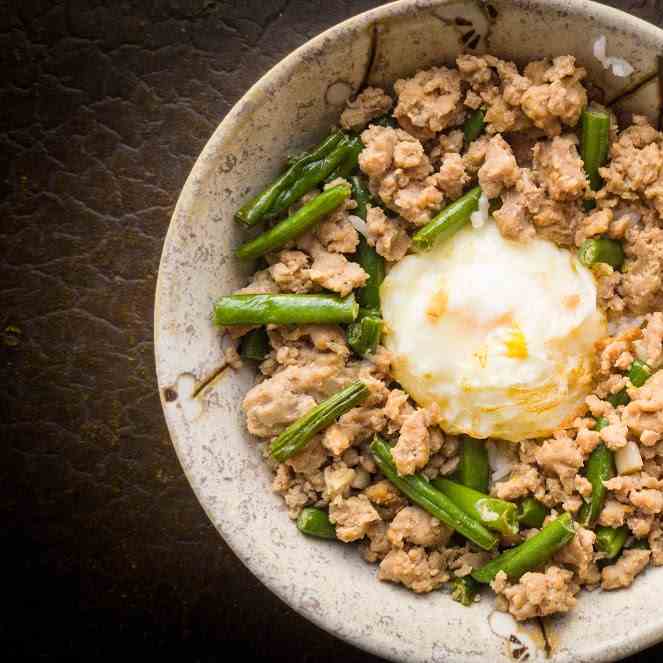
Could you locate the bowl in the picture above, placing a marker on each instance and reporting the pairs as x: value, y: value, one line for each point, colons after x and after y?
x: 289, y: 108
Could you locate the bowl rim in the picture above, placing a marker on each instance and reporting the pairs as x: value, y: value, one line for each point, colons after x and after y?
x: 649, y: 634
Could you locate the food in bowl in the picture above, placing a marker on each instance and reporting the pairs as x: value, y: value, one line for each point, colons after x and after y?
x: 456, y: 319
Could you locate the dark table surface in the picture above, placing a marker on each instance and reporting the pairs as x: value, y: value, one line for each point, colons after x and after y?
x: 104, y: 105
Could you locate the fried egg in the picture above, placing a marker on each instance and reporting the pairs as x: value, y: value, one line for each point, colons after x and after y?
x: 499, y: 334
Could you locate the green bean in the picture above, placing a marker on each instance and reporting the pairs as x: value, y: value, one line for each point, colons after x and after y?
x: 473, y: 126
x: 605, y: 250
x: 448, y: 222
x: 600, y: 467
x: 531, y: 512
x: 255, y: 210
x: 473, y: 468
x: 364, y: 335
x: 637, y: 544
x: 312, y: 174
x: 296, y: 436
x: 594, y: 144
x: 610, y: 540
x: 601, y: 423
x: 639, y: 373
x: 371, y: 262
x: 349, y: 163
x: 284, y: 309
x: 464, y: 590
x: 491, y: 512
x: 315, y: 522
x: 530, y: 554
x: 386, y: 120
x: 255, y: 345
x: 620, y: 398
x: 419, y: 490
x: 296, y: 225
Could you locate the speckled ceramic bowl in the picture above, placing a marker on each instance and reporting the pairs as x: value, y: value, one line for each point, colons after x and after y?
x: 291, y: 107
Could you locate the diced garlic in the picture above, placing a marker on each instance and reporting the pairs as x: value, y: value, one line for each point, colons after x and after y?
x: 628, y: 459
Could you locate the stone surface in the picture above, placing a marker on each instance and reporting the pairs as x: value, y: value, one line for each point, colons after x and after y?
x: 105, y: 107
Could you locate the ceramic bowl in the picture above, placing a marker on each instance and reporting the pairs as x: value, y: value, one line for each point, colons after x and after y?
x: 291, y: 107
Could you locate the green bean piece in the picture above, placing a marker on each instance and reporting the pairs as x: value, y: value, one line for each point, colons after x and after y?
x: 364, y: 335
x: 296, y: 225
x: 284, y: 309
x: 315, y: 522
x: 498, y: 515
x: 349, y: 164
x: 620, y: 398
x: 594, y: 144
x: 474, y: 126
x: 448, y: 222
x: 386, y: 120
x: 601, y: 423
x: 600, y: 467
x: 531, y: 554
x: 605, y: 250
x: 255, y: 210
x: 611, y: 540
x: 371, y: 262
x: 464, y: 590
x: 473, y: 468
x: 637, y: 544
x: 313, y: 174
x: 639, y: 373
x: 420, y: 491
x: 296, y: 436
x: 531, y: 512
x: 255, y: 345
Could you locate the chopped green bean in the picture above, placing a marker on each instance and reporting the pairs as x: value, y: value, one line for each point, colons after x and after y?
x: 620, y: 398
x: 600, y: 467
x: 594, y: 144
x: 313, y: 174
x: 284, y: 309
x: 531, y: 512
x: 419, y: 490
x: 604, y: 250
x: 315, y: 522
x: 531, y: 554
x: 296, y: 436
x: 491, y: 512
x: 637, y: 544
x: 464, y: 590
x: 611, y: 540
x: 473, y: 468
x: 364, y: 335
x: 474, y: 126
x: 639, y: 373
x: 448, y: 222
x: 296, y: 225
x: 255, y: 210
x: 349, y: 164
x: 255, y: 345
x: 601, y: 423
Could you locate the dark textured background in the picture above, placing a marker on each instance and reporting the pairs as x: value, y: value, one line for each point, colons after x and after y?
x: 104, y: 105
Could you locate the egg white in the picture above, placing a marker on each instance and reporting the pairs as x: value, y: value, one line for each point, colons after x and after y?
x: 499, y: 334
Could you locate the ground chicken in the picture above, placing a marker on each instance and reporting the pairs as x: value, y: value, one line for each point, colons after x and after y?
x: 650, y: 347
x: 623, y: 572
x: 579, y: 554
x: 309, y: 459
x: 451, y: 178
x: 290, y: 271
x: 429, y: 102
x: 539, y: 594
x: 560, y: 168
x: 337, y: 234
x: 378, y: 544
x: 513, y: 218
x: 642, y: 282
x: 499, y: 170
x: 366, y: 106
x: 614, y: 513
x: 417, y: 570
x: 412, y: 450
x: 562, y: 457
x: 645, y: 411
x: 414, y: 525
x: 335, y: 272
x: 387, y: 235
x: 352, y: 517
x: 524, y: 480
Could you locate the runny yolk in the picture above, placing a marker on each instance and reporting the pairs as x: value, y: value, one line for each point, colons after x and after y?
x: 516, y: 345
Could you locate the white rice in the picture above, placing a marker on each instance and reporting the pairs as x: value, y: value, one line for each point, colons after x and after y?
x: 358, y: 224
x: 617, y: 65
x: 479, y: 218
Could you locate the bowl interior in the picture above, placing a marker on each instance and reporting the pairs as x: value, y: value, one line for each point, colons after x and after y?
x: 289, y: 108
